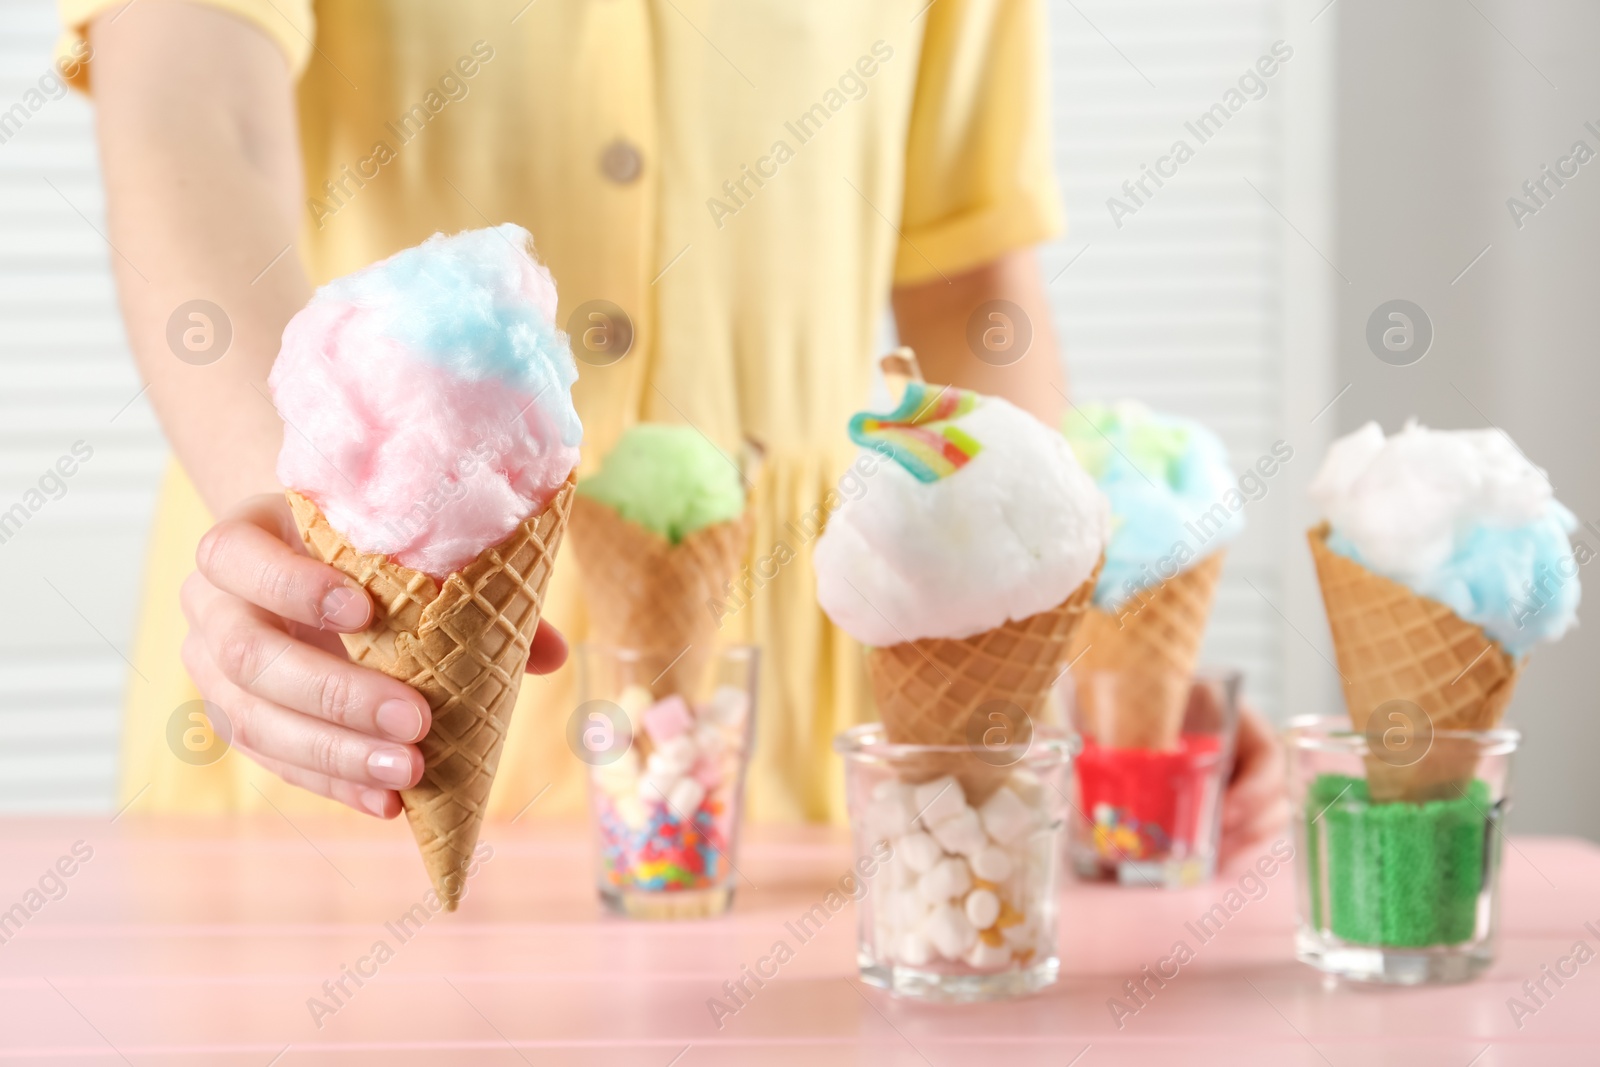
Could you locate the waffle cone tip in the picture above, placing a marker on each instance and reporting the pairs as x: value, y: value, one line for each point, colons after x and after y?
x: 463, y: 644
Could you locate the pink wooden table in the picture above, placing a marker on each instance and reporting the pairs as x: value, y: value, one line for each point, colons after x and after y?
x: 202, y: 942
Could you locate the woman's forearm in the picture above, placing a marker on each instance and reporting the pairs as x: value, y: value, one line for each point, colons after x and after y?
x: 197, y: 134
x: 988, y: 329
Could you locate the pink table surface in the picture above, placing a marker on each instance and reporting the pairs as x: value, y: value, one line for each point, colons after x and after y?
x: 200, y: 942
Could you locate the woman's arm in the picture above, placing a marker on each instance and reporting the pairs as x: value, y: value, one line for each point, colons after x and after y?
x: 198, y: 142
x: 963, y: 338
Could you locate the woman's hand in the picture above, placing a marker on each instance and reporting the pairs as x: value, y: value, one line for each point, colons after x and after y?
x: 1256, y: 804
x: 263, y: 646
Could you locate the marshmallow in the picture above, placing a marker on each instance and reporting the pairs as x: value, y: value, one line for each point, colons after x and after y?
x: 666, y: 719
x: 1006, y: 817
x: 708, y: 772
x: 952, y: 935
x: 728, y: 707
x: 658, y: 781
x: 891, y: 787
x: 982, y: 908
x: 1009, y: 916
x: 1028, y: 786
x: 986, y: 957
x: 938, y: 800
x: 684, y: 798
x: 1022, y: 935
x: 678, y: 754
x: 662, y: 768
x: 710, y: 738
x: 961, y: 834
x: 944, y: 880
x: 913, y: 949
x: 992, y: 864
x: 900, y: 875
x: 919, y: 851
x: 907, y: 909
x: 890, y: 817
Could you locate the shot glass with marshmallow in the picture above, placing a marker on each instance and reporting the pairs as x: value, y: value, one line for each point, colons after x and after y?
x: 964, y: 905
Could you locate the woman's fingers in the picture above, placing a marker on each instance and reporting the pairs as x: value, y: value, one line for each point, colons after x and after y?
x: 261, y: 659
x: 311, y: 744
x: 1255, y: 805
x: 247, y: 556
x: 548, y: 650
x: 1263, y: 825
x: 382, y: 803
x: 1256, y: 786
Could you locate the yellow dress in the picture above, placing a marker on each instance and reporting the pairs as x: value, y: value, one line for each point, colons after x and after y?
x: 745, y: 179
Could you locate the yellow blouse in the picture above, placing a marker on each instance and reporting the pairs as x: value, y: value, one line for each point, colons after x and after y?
x: 745, y: 180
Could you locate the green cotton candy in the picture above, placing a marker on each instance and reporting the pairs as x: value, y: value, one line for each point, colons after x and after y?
x: 1397, y: 874
x: 668, y: 479
x: 1154, y: 445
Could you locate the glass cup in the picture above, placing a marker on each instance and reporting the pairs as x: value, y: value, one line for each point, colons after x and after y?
x: 957, y: 853
x: 1154, y: 759
x: 666, y: 775
x: 1400, y: 890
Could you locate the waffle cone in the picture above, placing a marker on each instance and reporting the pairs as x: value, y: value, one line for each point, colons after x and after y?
x: 1392, y: 644
x: 1134, y: 667
x: 647, y: 594
x: 463, y: 644
x: 928, y: 690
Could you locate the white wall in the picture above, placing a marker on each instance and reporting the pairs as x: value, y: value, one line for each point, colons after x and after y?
x: 1445, y: 110
x: 65, y: 376
x: 1187, y: 305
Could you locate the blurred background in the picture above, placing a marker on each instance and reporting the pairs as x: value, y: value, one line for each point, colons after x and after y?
x: 1376, y: 163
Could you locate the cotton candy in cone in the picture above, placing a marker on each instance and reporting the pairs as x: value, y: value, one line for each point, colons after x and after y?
x: 463, y: 644
x: 929, y: 690
x: 1393, y: 645
x: 648, y: 594
x: 1133, y: 667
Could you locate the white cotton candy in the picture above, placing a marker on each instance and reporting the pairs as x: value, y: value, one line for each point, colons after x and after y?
x: 1402, y: 500
x: 1010, y: 534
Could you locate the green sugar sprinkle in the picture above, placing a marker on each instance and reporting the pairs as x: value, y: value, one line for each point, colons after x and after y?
x: 1398, y: 874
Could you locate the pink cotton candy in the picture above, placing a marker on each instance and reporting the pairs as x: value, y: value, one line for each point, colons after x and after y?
x: 426, y: 400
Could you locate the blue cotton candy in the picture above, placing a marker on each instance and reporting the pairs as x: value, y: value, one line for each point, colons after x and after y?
x: 461, y: 303
x: 1519, y: 583
x: 1174, y: 497
x: 1459, y: 516
x: 426, y: 399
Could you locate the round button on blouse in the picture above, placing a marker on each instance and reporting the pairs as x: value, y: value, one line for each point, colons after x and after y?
x: 621, y: 162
